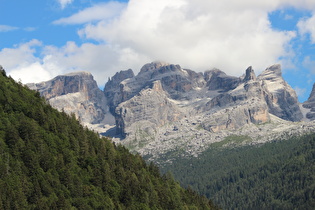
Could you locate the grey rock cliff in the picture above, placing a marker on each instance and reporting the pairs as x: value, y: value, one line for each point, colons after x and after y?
x: 310, y: 105
x: 280, y: 97
x: 167, y: 108
x: 114, y: 90
x: 75, y: 93
x: 146, y: 111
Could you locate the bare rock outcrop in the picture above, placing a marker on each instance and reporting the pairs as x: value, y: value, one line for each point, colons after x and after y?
x: 146, y: 111
x: 76, y: 93
x: 280, y: 97
x: 310, y: 105
x: 237, y: 107
x: 113, y: 89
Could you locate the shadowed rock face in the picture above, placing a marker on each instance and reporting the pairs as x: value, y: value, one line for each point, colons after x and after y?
x: 76, y: 93
x: 113, y: 90
x: 310, y: 105
x: 218, y: 80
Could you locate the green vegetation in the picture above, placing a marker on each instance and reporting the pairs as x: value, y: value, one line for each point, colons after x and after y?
x: 49, y: 161
x: 232, y: 140
x: 276, y: 175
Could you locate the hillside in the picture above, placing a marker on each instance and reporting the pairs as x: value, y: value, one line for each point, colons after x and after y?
x: 274, y: 175
x: 50, y: 161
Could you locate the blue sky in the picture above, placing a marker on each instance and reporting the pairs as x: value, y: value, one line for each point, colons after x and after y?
x: 41, y: 39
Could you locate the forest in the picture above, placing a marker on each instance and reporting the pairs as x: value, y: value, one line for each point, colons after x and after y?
x: 48, y: 160
x: 274, y: 175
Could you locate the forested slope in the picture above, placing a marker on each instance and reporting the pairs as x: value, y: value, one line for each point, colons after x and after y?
x: 276, y: 175
x: 49, y: 161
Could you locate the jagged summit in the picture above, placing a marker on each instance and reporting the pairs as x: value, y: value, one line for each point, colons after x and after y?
x: 153, y: 65
x: 78, y: 73
x: 309, y: 105
x: 75, y: 93
x: 249, y: 75
x: 164, y: 102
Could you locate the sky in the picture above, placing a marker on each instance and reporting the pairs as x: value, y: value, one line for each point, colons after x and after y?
x: 42, y: 39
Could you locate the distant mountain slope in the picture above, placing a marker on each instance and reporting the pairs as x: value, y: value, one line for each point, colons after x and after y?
x: 275, y: 175
x: 49, y: 161
x: 166, y: 107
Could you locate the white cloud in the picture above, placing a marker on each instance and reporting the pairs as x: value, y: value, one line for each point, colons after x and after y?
x: 64, y: 3
x: 97, y: 12
x: 197, y: 34
x: 20, y: 55
x: 307, y: 26
x: 6, y: 28
x: 34, y: 72
x: 23, y: 63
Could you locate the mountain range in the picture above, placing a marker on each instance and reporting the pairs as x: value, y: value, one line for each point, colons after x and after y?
x: 48, y: 160
x: 244, y: 142
x: 166, y: 108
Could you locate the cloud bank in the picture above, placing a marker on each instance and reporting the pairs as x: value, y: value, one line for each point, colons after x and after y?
x: 197, y: 34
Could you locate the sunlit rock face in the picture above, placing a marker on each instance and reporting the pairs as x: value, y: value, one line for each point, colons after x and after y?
x: 280, y: 97
x: 76, y: 93
x: 166, y: 107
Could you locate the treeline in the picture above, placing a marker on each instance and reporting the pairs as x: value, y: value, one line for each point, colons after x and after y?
x: 276, y: 175
x: 49, y: 161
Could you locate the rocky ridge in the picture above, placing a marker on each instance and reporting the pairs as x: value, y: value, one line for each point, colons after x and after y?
x: 165, y: 108
x: 77, y: 93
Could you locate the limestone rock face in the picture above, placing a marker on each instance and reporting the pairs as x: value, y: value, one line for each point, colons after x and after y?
x: 167, y: 108
x: 280, y: 97
x: 310, y: 105
x: 242, y: 105
x: 148, y: 110
x: 76, y: 93
x: 229, y: 102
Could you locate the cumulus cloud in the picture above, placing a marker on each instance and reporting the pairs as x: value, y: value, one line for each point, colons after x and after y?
x: 6, y: 28
x: 64, y: 3
x: 307, y: 26
x: 23, y: 62
x: 97, y: 12
x: 198, y: 34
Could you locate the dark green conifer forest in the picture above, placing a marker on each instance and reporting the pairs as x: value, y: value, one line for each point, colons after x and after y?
x: 275, y: 175
x: 49, y: 161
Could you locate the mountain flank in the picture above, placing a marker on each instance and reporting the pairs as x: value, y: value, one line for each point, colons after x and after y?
x: 50, y: 161
x: 166, y: 107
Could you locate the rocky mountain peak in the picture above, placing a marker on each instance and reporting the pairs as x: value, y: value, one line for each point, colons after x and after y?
x: 249, y: 75
x: 309, y: 105
x: 311, y: 98
x: 218, y: 80
x: 64, y: 84
x: 152, y: 66
x: 271, y: 73
x: 76, y: 93
x: 280, y: 96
